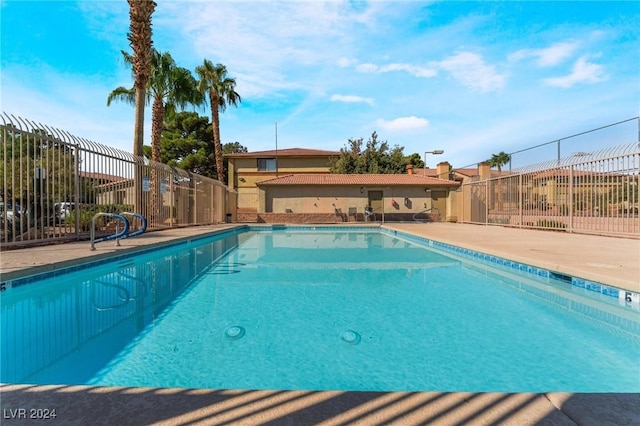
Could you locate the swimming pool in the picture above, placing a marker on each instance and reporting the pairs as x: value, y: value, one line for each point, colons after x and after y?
x: 304, y: 308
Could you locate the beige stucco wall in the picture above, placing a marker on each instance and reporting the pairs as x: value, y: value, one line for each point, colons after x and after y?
x: 244, y: 174
x: 247, y: 199
x: 451, y: 214
x: 312, y: 199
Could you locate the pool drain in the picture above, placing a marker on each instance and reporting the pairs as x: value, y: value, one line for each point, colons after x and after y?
x: 235, y: 332
x: 350, y: 337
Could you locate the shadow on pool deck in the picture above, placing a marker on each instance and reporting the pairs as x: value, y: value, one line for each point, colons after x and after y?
x: 81, y: 405
x: 609, y: 260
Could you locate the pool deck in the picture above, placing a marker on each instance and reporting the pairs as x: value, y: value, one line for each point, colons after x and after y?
x: 613, y: 261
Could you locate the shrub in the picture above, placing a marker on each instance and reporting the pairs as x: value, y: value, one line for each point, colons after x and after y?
x: 543, y: 223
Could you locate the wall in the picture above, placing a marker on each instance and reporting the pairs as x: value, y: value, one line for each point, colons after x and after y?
x: 244, y: 174
x: 324, y: 218
x: 400, y: 202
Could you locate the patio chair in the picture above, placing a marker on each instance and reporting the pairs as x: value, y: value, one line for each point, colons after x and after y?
x: 368, y: 213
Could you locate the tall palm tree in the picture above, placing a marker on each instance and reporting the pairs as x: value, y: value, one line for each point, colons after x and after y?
x: 499, y: 160
x: 168, y: 87
x: 213, y: 81
x: 139, y: 36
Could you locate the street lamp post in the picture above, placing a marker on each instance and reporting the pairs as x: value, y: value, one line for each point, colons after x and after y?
x: 434, y: 152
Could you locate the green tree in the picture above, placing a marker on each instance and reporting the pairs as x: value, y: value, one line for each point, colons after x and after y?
x: 499, y: 160
x: 415, y: 160
x: 169, y: 87
x: 375, y: 157
x: 213, y: 81
x: 187, y: 143
x: 37, y: 170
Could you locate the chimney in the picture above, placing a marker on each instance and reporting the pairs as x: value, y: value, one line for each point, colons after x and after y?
x: 409, y: 169
x: 484, y: 170
x: 442, y: 170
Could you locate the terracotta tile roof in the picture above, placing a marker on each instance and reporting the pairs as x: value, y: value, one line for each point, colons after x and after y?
x: 466, y: 172
x: 469, y: 172
x: 357, y: 179
x: 102, y: 176
x: 434, y: 172
x: 287, y: 152
x: 422, y: 171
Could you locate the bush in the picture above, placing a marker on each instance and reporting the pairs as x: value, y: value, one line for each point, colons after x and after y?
x: 564, y: 210
x: 87, y: 211
x: 543, y: 223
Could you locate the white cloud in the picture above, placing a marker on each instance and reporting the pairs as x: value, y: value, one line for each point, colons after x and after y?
x: 352, y: 99
x: 550, y: 56
x: 275, y: 44
x: 471, y: 71
x: 411, y: 69
x: 367, y: 68
x: 403, y: 123
x: 583, y: 72
x: 414, y: 70
x: 346, y: 62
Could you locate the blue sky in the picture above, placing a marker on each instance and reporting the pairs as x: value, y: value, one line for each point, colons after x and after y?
x: 471, y: 78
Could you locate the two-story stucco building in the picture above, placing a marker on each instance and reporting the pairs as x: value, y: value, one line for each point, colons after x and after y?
x: 294, y: 185
x: 246, y: 169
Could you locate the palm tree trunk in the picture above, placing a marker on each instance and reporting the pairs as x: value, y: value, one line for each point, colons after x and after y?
x: 138, y: 142
x: 217, y: 144
x: 157, y: 121
x: 138, y: 129
x: 156, y: 135
x: 140, y: 38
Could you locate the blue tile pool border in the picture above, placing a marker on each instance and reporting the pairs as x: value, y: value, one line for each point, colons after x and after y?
x: 18, y: 282
x: 604, y: 289
x: 596, y: 287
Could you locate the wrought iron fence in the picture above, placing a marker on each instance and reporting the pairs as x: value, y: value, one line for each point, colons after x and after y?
x: 587, y: 192
x: 53, y: 183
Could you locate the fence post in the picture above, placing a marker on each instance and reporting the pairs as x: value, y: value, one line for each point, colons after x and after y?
x: 570, y: 199
x: 76, y: 195
x: 520, y: 190
x: 172, y: 198
x: 486, y: 202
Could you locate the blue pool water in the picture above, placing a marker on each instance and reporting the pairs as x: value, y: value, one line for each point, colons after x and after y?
x: 317, y: 310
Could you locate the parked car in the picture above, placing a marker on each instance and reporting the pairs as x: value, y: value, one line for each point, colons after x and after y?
x: 62, y: 211
x: 10, y: 210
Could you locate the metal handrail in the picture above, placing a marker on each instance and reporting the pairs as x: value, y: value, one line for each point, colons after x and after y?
x: 115, y: 236
x: 123, y: 300
x: 143, y: 221
x: 425, y: 211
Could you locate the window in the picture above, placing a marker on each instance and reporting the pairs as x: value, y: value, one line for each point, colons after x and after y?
x: 266, y: 164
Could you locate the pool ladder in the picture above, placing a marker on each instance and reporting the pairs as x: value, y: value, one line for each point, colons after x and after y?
x: 122, y: 217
